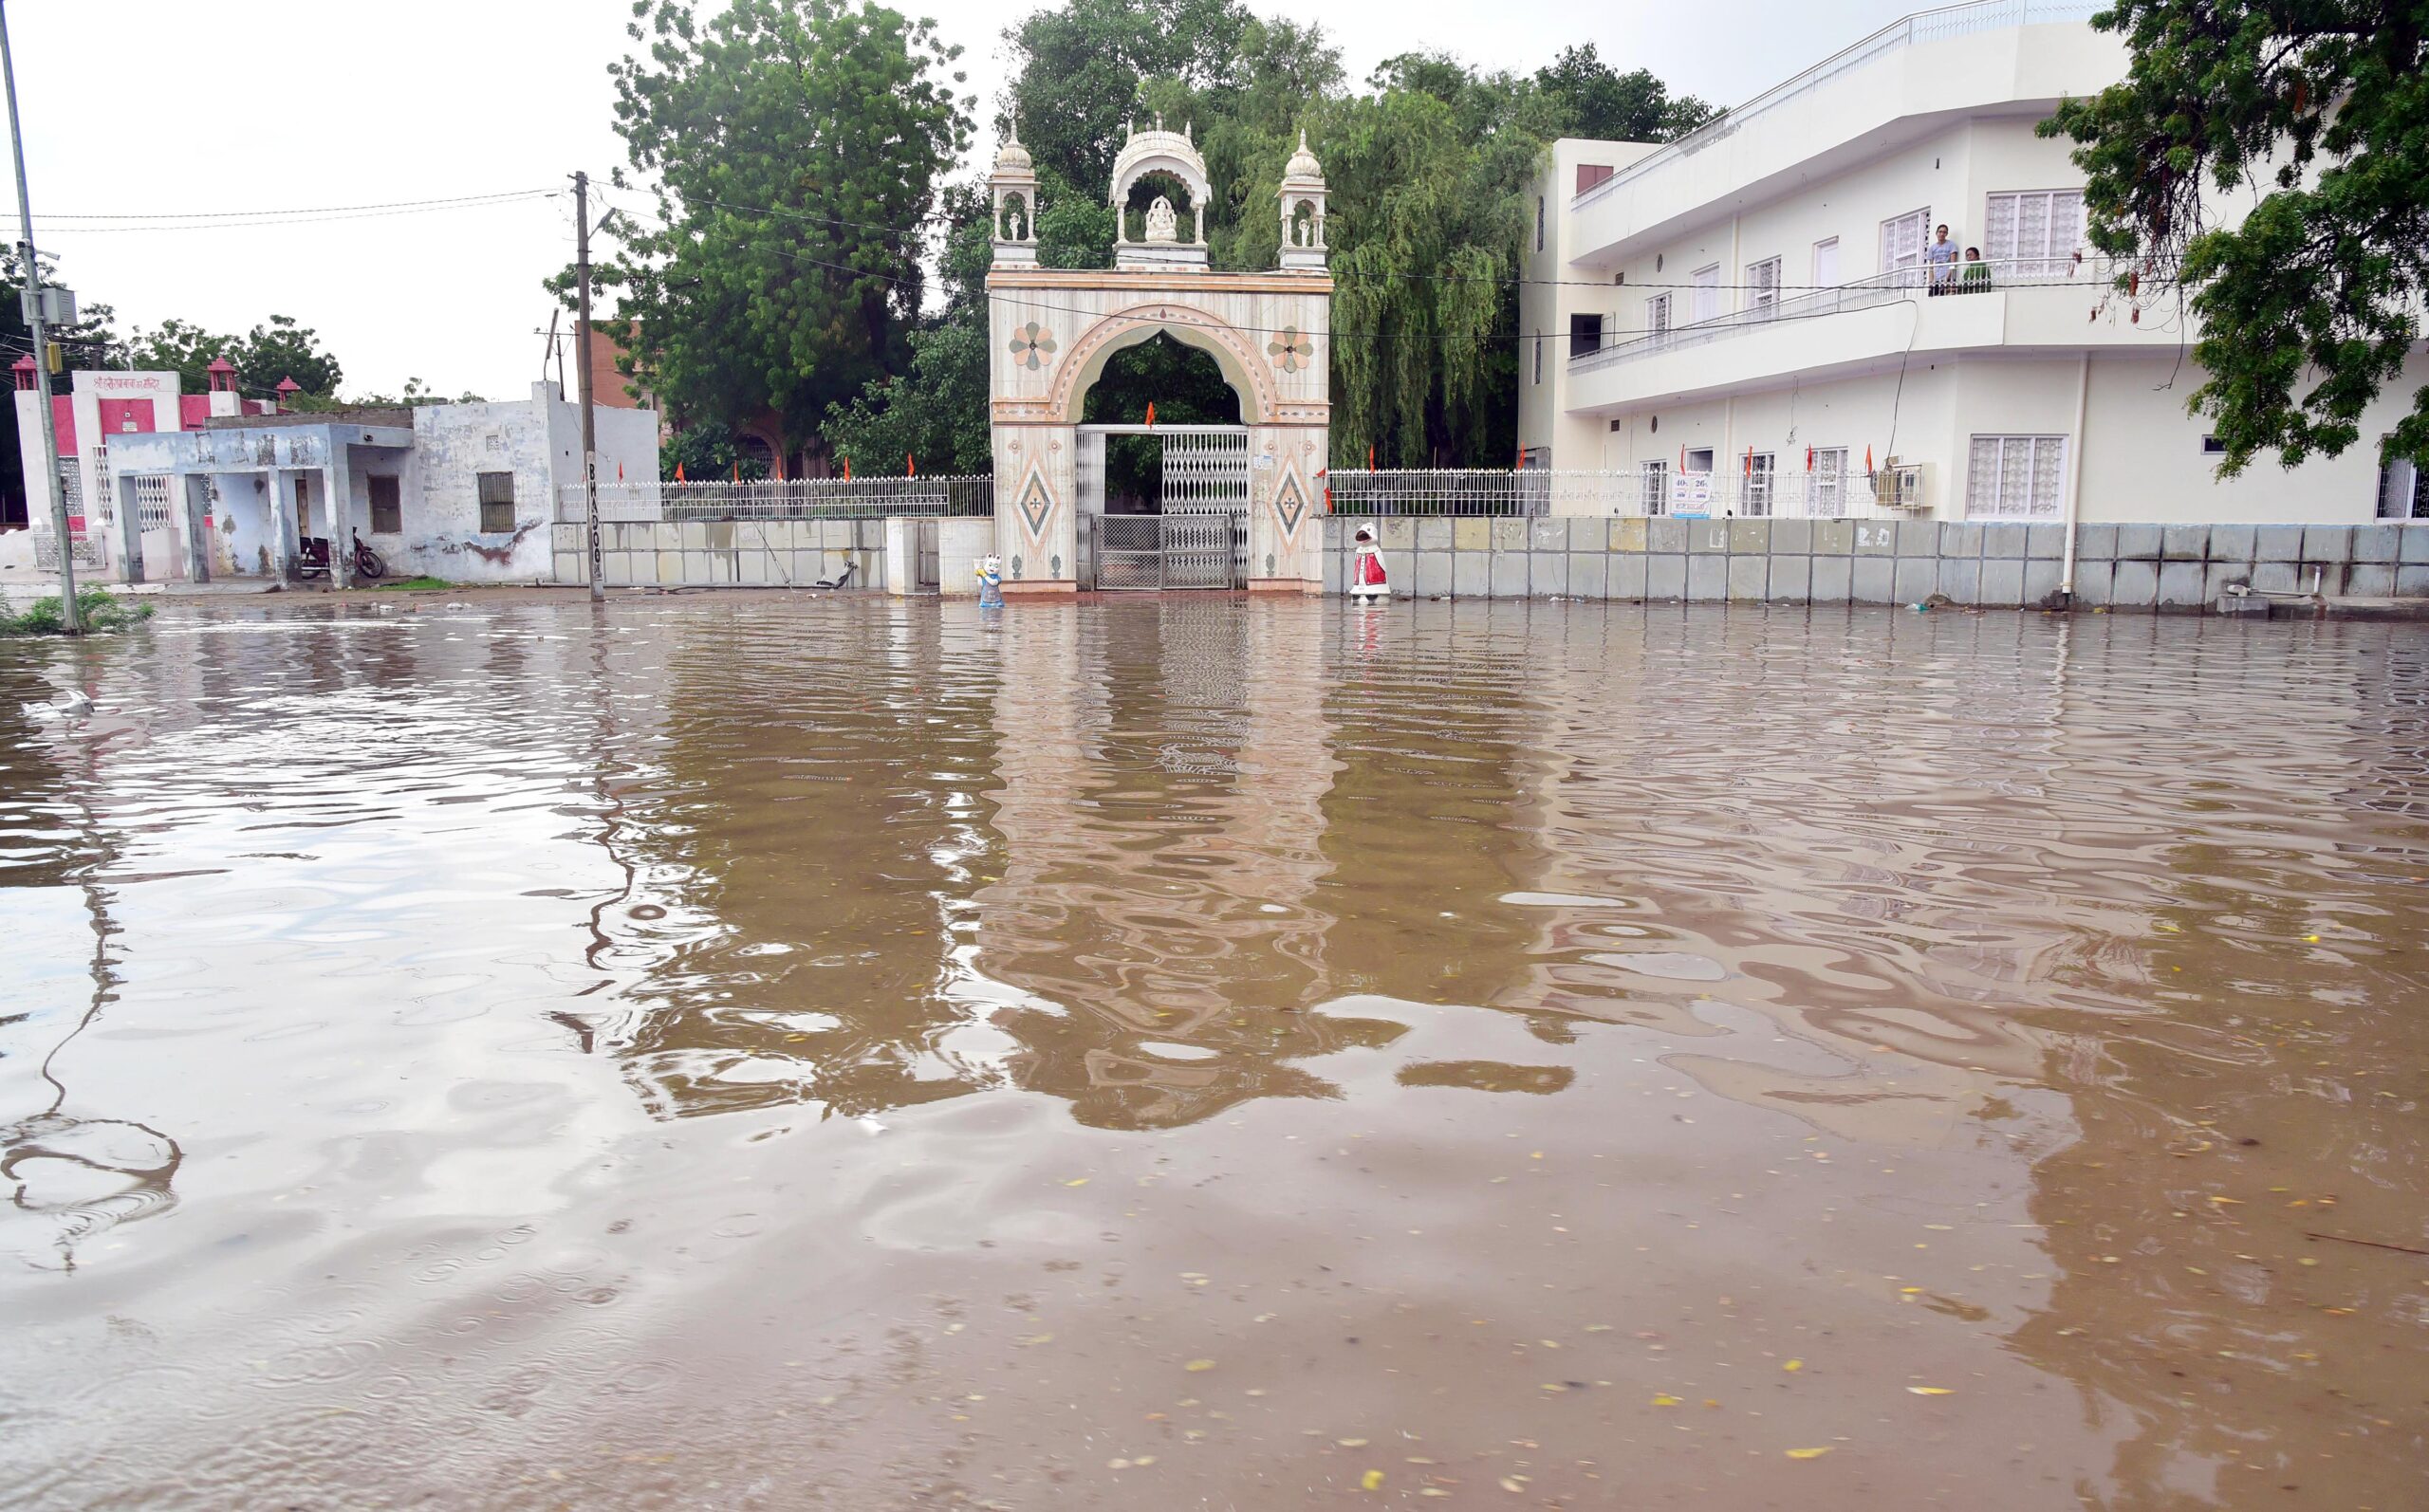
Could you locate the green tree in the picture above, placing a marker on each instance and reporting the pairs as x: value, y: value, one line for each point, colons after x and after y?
x: 795, y: 149
x: 273, y: 352
x: 1599, y: 102
x: 936, y: 411
x: 91, y: 342
x: 2315, y: 114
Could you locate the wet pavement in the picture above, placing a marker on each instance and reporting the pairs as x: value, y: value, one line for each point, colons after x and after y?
x: 738, y: 1052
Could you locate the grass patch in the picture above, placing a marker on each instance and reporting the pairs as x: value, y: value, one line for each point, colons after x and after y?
x: 101, y: 610
x: 411, y: 585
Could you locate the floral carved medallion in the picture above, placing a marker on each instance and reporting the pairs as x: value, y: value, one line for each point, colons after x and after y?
x: 1033, y: 346
x: 1291, y: 349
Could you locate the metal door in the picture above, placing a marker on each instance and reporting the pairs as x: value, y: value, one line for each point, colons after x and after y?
x: 1204, y: 477
x: 928, y: 573
x: 1129, y: 551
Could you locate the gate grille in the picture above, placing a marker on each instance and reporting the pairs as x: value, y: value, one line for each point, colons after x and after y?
x: 1130, y: 551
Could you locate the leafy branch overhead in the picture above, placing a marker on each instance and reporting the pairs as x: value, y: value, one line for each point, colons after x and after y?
x: 793, y: 151
x: 2271, y: 162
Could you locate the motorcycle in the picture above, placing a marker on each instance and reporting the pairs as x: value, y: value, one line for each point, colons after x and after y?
x: 314, y: 558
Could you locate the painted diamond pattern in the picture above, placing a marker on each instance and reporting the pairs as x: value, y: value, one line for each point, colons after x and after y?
x: 1291, y: 349
x: 1289, y: 502
x: 1035, y: 505
x: 1033, y: 346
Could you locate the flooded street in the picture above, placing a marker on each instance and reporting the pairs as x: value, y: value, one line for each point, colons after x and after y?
x: 741, y: 1052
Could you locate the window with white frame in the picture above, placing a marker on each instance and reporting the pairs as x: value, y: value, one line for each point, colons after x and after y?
x: 1656, y: 315
x: 2404, y: 490
x: 1758, y: 484
x: 1654, y: 486
x: 2033, y: 234
x: 1763, y: 287
x: 2015, y: 477
x: 1903, y: 240
x: 1825, y: 262
x: 1707, y: 292
x: 1828, y: 488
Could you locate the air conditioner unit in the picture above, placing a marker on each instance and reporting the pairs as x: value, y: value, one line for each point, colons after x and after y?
x: 1899, y: 486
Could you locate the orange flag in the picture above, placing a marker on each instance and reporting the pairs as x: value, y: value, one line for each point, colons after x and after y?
x: 1370, y: 457
x: 619, y: 472
x: 910, y: 466
x: 1868, y: 459
x: 738, y: 470
x: 847, y: 470
x: 678, y: 472
x: 1151, y: 414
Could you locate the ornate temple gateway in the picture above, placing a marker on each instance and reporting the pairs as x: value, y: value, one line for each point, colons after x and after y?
x: 1240, y: 503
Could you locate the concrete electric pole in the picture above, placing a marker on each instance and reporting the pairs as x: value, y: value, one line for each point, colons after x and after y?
x: 29, y: 272
x: 582, y: 380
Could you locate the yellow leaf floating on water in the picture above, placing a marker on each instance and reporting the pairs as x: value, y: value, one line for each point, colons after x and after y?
x: 1372, y: 1479
x: 1793, y: 1365
x: 1808, y: 1454
x: 1351, y: 1444
x: 1078, y: 1181
x: 1665, y: 1399
x: 1201, y: 1365
x: 1932, y: 1391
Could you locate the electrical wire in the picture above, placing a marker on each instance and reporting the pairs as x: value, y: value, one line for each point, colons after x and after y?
x: 166, y: 228
x: 301, y: 209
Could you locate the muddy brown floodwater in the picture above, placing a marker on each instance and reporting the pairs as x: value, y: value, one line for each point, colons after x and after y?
x: 750, y: 1053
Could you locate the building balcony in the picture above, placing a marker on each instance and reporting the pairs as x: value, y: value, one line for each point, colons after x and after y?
x: 1987, y: 58
x: 2043, y: 304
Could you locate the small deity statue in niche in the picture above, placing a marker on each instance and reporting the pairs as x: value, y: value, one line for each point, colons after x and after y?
x: 1162, y: 225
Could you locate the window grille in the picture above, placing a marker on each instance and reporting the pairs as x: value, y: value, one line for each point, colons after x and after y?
x: 1829, y: 486
x: 2033, y: 233
x: 387, y: 511
x: 1763, y: 284
x: 1654, y: 486
x: 2015, y: 477
x: 497, y: 503
x: 1758, y: 484
x: 1903, y: 240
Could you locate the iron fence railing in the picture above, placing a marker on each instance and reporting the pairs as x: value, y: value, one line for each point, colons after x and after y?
x: 1899, y: 284
x: 1923, y: 26
x: 1495, y: 492
x: 786, y: 499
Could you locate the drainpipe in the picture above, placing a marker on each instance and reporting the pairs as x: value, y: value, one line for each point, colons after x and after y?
x: 2075, y: 477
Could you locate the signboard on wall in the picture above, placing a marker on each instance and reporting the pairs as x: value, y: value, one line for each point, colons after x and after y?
x: 1691, y: 495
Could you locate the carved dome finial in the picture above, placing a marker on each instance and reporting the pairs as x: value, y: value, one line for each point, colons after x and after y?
x: 1012, y: 157
x: 1303, y: 163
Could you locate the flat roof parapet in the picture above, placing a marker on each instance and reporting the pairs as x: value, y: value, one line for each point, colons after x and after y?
x: 393, y: 416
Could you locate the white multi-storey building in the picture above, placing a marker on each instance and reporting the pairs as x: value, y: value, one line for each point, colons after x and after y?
x: 1734, y: 322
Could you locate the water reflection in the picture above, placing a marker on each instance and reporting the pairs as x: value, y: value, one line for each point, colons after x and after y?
x: 2019, y: 1008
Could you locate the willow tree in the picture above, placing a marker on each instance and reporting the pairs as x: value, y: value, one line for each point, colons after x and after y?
x: 795, y: 150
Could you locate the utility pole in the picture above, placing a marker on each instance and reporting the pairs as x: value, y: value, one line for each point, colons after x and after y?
x: 581, y: 376
x: 31, y: 271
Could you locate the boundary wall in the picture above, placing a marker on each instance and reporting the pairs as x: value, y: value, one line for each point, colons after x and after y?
x: 1991, y: 563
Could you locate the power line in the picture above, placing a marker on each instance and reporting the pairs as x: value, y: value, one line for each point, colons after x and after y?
x: 170, y: 228
x: 303, y: 209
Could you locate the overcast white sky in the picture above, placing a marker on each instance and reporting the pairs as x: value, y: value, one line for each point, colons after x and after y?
x: 154, y: 107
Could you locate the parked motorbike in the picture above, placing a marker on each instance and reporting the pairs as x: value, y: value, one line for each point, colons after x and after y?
x: 312, y: 559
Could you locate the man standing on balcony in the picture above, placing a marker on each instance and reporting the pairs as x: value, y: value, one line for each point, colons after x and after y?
x: 1940, y: 256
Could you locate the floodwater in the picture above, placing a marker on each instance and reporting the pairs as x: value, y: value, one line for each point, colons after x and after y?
x: 742, y: 1052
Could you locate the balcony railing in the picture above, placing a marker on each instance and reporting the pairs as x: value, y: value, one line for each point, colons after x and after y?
x: 1498, y: 492
x: 1892, y: 288
x: 1923, y: 26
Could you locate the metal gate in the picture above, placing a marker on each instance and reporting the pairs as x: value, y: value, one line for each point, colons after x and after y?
x: 1205, y: 485
x: 1169, y: 551
x: 1199, y: 540
x: 1130, y: 551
